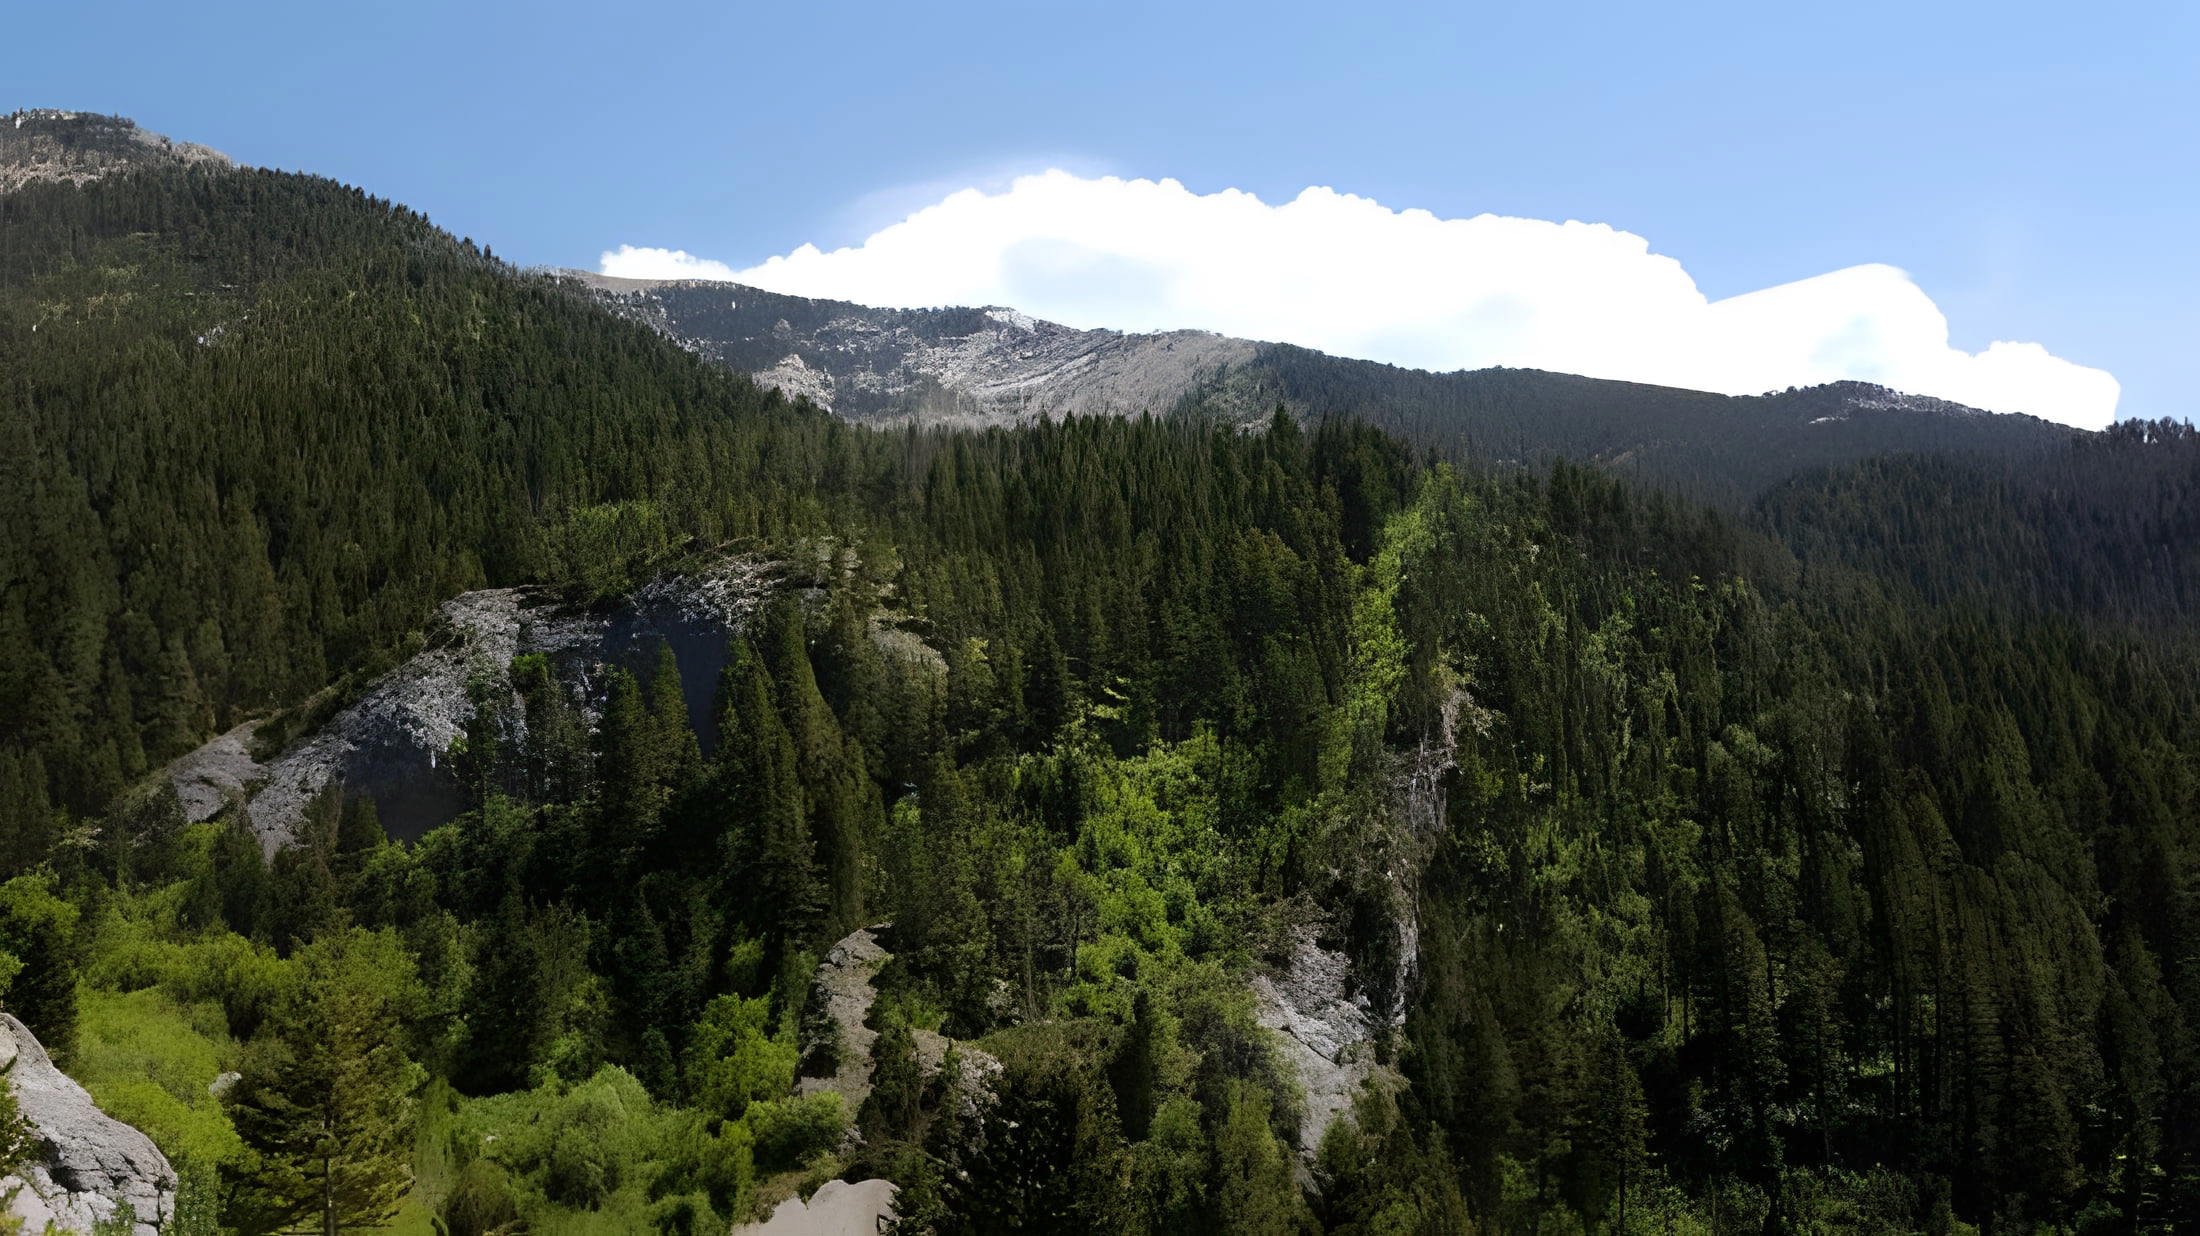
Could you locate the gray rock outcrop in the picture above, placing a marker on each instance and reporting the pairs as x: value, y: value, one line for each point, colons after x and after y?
x: 1326, y: 1031
x: 391, y: 741
x: 841, y: 997
x: 87, y: 1165
x: 838, y: 1208
x: 46, y: 144
x: 955, y: 366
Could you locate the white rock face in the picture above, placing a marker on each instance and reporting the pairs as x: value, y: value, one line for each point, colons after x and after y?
x: 970, y: 367
x: 842, y: 991
x: 836, y: 1209
x: 390, y: 741
x: 1327, y: 1035
x: 1328, y: 1030
x: 217, y: 774
x: 843, y: 994
x: 799, y: 381
x: 88, y: 1164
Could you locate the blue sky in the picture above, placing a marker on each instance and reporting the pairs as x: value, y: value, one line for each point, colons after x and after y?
x: 2035, y: 169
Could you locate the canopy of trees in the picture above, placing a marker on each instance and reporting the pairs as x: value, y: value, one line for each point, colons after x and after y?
x: 1808, y: 870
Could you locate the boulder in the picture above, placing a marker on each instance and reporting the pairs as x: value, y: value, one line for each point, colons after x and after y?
x: 838, y: 1208
x: 86, y: 1165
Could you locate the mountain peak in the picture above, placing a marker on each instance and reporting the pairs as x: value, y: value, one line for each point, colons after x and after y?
x: 49, y: 144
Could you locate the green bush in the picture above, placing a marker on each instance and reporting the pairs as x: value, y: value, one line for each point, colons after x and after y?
x: 581, y: 1171
x: 482, y: 1202
x: 789, y: 1131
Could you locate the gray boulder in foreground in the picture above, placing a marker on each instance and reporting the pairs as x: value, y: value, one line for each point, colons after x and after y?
x: 86, y: 1164
x: 836, y: 1209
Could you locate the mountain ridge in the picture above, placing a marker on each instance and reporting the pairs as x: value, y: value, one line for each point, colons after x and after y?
x: 976, y: 366
x: 48, y: 144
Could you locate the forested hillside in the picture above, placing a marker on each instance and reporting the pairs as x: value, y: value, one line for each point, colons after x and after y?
x: 1718, y: 886
x: 2103, y: 528
x: 257, y: 425
x: 1716, y: 448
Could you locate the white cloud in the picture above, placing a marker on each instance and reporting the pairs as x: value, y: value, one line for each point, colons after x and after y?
x: 628, y: 262
x: 1349, y: 276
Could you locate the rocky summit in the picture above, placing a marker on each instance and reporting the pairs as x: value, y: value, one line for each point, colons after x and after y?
x: 958, y: 366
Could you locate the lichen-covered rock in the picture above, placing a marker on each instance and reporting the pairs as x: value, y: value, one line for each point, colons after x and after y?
x: 87, y: 1164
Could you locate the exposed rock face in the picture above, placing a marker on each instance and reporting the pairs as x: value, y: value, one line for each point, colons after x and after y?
x: 964, y: 366
x: 799, y: 381
x: 88, y: 1165
x: 836, y: 1209
x: 217, y: 774
x: 1327, y: 1032
x: 390, y: 743
x: 1328, y: 1027
x: 840, y: 999
x: 42, y: 144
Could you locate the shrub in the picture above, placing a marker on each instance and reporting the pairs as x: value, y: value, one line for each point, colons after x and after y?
x: 789, y: 1131
x: 481, y: 1203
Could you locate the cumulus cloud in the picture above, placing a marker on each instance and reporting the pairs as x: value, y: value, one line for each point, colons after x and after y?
x: 1350, y: 276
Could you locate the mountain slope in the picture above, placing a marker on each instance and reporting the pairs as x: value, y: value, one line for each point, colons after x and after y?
x: 45, y: 145
x: 998, y: 366
x: 1573, y: 854
x: 255, y: 427
x: 2104, y: 529
x: 954, y: 366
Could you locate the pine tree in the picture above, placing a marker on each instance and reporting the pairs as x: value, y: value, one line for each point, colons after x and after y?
x: 1254, y: 1191
x: 759, y: 763
x: 326, y: 1098
x: 891, y: 1110
x: 1613, y: 1136
x: 556, y: 762
x: 630, y: 793
x: 678, y: 755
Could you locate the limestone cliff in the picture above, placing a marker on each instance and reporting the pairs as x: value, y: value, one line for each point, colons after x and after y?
x: 390, y: 742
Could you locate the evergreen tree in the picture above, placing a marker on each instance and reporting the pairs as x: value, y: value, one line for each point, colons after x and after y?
x: 1254, y: 1191
x: 760, y: 780
x: 326, y: 1098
